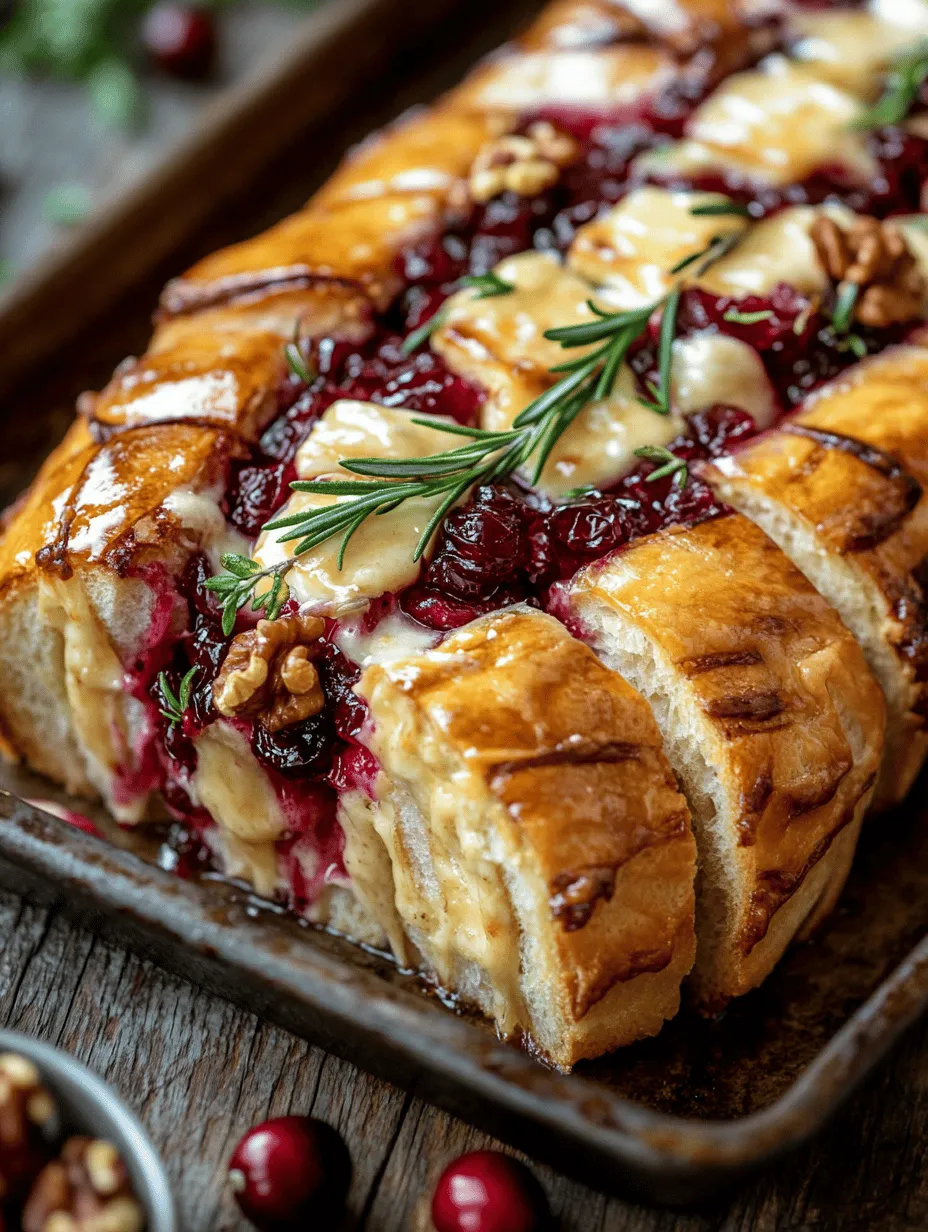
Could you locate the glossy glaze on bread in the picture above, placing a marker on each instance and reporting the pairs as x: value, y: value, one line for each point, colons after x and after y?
x: 591, y: 725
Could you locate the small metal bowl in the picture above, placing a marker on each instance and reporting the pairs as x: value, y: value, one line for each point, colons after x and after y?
x: 88, y: 1106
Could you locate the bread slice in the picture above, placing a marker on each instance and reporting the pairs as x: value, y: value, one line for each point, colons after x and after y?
x: 540, y: 855
x: 87, y: 569
x: 840, y: 488
x: 770, y: 718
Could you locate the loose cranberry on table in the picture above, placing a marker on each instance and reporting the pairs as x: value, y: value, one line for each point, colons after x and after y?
x: 291, y: 1173
x: 179, y: 38
x: 487, y: 1191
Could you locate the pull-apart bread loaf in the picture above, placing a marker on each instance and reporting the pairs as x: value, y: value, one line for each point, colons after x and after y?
x: 403, y: 575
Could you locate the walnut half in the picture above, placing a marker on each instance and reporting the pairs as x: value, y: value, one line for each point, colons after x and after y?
x: 524, y: 165
x: 87, y: 1189
x: 28, y: 1117
x: 268, y: 673
x: 874, y: 256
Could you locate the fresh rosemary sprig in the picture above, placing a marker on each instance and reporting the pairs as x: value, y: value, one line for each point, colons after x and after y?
x: 176, y: 703
x: 385, y: 483
x: 297, y: 361
x: 903, y: 83
x: 719, y: 246
x: 721, y: 209
x: 486, y: 286
x: 845, y: 303
x: 747, y: 318
x: 237, y: 585
x: 660, y: 393
x: 855, y: 344
x: 487, y: 457
x: 670, y: 464
x: 581, y: 493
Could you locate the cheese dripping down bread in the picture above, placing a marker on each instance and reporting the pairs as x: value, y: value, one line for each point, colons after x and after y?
x: 406, y: 744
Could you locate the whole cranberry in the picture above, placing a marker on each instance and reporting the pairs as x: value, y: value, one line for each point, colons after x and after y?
x: 288, y: 1170
x: 180, y: 38
x: 487, y: 1191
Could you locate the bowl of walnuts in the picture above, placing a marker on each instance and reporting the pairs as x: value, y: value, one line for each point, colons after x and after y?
x: 72, y: 1155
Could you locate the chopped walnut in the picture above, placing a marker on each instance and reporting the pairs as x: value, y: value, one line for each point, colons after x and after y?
x: 28, y: 1117
x: 268, y: 673
x: 873, y: 256
x: 524, y: 165
x: 87, y: 1189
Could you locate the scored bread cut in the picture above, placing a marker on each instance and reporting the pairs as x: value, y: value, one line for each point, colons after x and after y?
x: 770, y: 718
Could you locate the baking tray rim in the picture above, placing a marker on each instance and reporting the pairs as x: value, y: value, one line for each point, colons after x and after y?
x: 697, y: 1156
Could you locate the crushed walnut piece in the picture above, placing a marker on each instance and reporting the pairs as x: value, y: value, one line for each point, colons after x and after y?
x: 28, y: 1116
x: 87, y: 1189
x: 268, y: 673
x: 873, y: 256
x: 524, y: 165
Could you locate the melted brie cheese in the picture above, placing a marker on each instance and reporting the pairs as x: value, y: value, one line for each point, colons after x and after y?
x: 599, y: 446
x: 712, y: 368
x: 231, y: 785
x: 632, y: 249
x: 106, y: 719
x: 778, y: 249
x: 379, y: 557
x: 852, y: 49
x: 774, y: 125
x: 395, y: 637
x: 911, y: 15
x: 498, y: 341
x: 609, y: 75
x: 200, y: 513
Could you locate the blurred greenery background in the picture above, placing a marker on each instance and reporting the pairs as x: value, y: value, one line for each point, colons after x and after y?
x: 94, y: 92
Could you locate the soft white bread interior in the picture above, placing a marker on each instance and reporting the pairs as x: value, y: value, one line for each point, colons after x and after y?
x: 86, y: 593
x: 540, y: 854
x: 770, y: 718
x: 840, y: 489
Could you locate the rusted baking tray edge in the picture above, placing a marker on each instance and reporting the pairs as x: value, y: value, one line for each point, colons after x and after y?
x: 212, y: 936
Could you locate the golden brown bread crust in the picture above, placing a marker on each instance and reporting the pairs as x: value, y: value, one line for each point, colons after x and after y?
x: 74, y: 571
x: 392, y: 191
x: 781, y: 703
x: 223, y: 365
x: 849, y: 469
x: 560, y: 762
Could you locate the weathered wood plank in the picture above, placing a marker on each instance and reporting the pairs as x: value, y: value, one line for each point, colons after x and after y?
x: 200, y: 1072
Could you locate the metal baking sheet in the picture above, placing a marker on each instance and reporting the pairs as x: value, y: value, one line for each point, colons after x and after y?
x: 672, y: 1119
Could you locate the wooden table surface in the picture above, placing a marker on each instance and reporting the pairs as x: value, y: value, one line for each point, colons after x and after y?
x: 200, y: 1072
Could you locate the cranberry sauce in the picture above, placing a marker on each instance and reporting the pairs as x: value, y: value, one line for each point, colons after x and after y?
x: 308, y: 763
x: 791, y: 333
x: 895, y: 189
x: 509, y: 545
